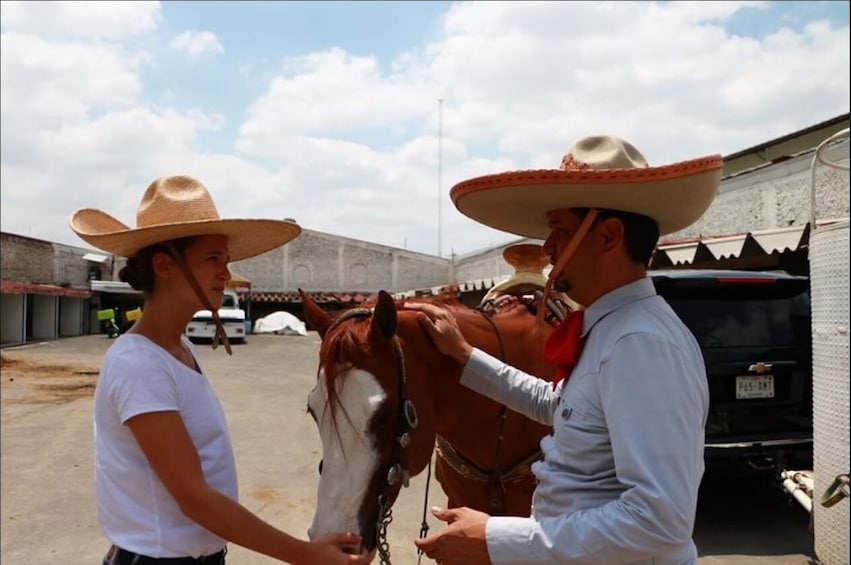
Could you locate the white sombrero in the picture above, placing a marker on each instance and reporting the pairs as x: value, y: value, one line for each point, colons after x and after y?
x: 176, y: 207
x: 603, y: 172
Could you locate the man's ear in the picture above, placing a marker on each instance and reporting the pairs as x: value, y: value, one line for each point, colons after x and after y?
x: 612, y: 233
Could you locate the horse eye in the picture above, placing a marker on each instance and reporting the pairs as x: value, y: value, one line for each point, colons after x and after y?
x: 320, y: 466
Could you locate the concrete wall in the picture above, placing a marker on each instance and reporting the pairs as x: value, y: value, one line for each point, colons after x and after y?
x: 775, y: 196
x: 70, y: 267
x: 317, y: 261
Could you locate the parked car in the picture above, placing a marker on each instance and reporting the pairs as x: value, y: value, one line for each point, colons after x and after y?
x: 202, y: 327
x: 755, y: 334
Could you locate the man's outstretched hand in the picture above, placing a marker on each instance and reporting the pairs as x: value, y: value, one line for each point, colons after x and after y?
x: 462, y: 541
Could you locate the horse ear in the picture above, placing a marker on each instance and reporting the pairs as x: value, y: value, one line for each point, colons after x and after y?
x: 318, y: 318
x: 384, y: 316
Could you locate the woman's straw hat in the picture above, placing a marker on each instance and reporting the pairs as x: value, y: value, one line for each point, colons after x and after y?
x: 603, y: 172
x: 176, y: 207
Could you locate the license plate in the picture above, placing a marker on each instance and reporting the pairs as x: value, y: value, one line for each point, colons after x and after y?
x: 755, y: 386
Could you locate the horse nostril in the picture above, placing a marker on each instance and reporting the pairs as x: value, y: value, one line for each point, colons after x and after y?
x: 320, y: 466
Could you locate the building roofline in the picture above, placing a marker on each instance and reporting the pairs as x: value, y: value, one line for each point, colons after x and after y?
x: 764, y: 145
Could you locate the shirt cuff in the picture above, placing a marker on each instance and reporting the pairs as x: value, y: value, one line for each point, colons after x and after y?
x: 509, y: 540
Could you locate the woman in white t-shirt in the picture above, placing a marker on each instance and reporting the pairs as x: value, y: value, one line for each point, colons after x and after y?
x: 164, y: 467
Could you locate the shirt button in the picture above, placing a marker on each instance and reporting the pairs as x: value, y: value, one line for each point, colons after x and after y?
x: 566, y: 413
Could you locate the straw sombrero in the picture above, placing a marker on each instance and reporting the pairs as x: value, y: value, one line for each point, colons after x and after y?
x: 528, y: 261
x: 603, y: 172
x: 176, y: 207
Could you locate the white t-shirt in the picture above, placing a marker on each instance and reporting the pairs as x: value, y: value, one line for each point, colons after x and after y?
x: 135, y: 510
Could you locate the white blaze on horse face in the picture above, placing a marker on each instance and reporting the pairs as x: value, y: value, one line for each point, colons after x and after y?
x: 349, y: 457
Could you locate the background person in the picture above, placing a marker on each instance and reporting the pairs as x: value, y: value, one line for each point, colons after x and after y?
x: 620, y: 475
x: 165, y: 475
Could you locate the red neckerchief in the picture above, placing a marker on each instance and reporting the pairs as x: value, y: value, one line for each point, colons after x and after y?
x: 564, y: 346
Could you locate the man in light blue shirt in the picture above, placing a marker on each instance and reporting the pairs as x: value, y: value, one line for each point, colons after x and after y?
x: 619, y: 479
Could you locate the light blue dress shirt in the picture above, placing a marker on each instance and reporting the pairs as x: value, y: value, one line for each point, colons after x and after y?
x: 619, y: 479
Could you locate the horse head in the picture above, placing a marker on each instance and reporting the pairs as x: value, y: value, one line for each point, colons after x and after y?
x: 375, y: 422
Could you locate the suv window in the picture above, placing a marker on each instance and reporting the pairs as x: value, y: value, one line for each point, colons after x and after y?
x: 745, y: 314
x: 754, y: 332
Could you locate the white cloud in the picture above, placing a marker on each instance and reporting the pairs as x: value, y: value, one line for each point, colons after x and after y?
x: 196, y: 43
x: 50, y: 82
x: 332, y: 93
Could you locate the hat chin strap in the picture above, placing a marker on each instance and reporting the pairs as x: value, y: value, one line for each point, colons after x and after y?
x: 568, y: 253
x: 221, y: 335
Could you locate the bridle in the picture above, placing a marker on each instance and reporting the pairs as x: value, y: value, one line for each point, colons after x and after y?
x: 397, y: 469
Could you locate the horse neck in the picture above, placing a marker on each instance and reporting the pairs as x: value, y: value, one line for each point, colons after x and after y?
x: 514, y: 337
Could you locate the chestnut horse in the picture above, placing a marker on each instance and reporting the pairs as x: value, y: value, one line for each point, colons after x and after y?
x: 384, y: 394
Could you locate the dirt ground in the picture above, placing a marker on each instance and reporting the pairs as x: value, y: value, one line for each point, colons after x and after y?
x: 48, y: 513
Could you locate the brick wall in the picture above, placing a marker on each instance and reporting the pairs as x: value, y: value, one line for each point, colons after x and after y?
x: 23, y: 259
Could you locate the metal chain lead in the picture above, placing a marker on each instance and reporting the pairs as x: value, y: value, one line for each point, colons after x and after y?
x: 385, y: 516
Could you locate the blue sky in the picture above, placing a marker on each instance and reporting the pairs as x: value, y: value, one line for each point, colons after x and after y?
x: 259, y: 36
x: 327, y: 112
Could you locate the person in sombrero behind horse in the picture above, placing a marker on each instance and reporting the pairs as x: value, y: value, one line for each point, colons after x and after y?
x: 619, y: 478
x: 165, y: 476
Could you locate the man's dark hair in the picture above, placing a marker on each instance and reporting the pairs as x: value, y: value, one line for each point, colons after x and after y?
x: 641, y: 233
x: 139, y: 270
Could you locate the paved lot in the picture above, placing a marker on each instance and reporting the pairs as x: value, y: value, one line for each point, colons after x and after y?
x: 48, y: 512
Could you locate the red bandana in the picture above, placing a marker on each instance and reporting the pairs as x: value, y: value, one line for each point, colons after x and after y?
x: 564, y: 345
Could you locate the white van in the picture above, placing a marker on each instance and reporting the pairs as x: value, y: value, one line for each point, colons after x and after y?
x: 202, y: 326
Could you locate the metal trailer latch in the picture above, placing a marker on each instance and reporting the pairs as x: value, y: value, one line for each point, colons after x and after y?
x: 837, y: 490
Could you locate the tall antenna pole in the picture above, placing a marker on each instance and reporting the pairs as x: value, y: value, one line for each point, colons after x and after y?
x: 439, y: 171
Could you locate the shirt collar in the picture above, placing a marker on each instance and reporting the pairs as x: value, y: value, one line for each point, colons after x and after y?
x: 615, y: 299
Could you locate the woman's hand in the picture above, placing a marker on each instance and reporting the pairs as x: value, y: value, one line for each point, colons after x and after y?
x: 336, y: 549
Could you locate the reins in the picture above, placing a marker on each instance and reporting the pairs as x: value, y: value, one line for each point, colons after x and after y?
x: 496, y: 488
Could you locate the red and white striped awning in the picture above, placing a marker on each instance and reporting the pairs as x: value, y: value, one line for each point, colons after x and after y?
x: 318, y: 297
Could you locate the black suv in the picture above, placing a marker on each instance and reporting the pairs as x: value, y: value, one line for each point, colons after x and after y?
x: 754, y: 331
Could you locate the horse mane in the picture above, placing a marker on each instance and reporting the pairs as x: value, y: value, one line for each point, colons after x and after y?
x: 332, y: 353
